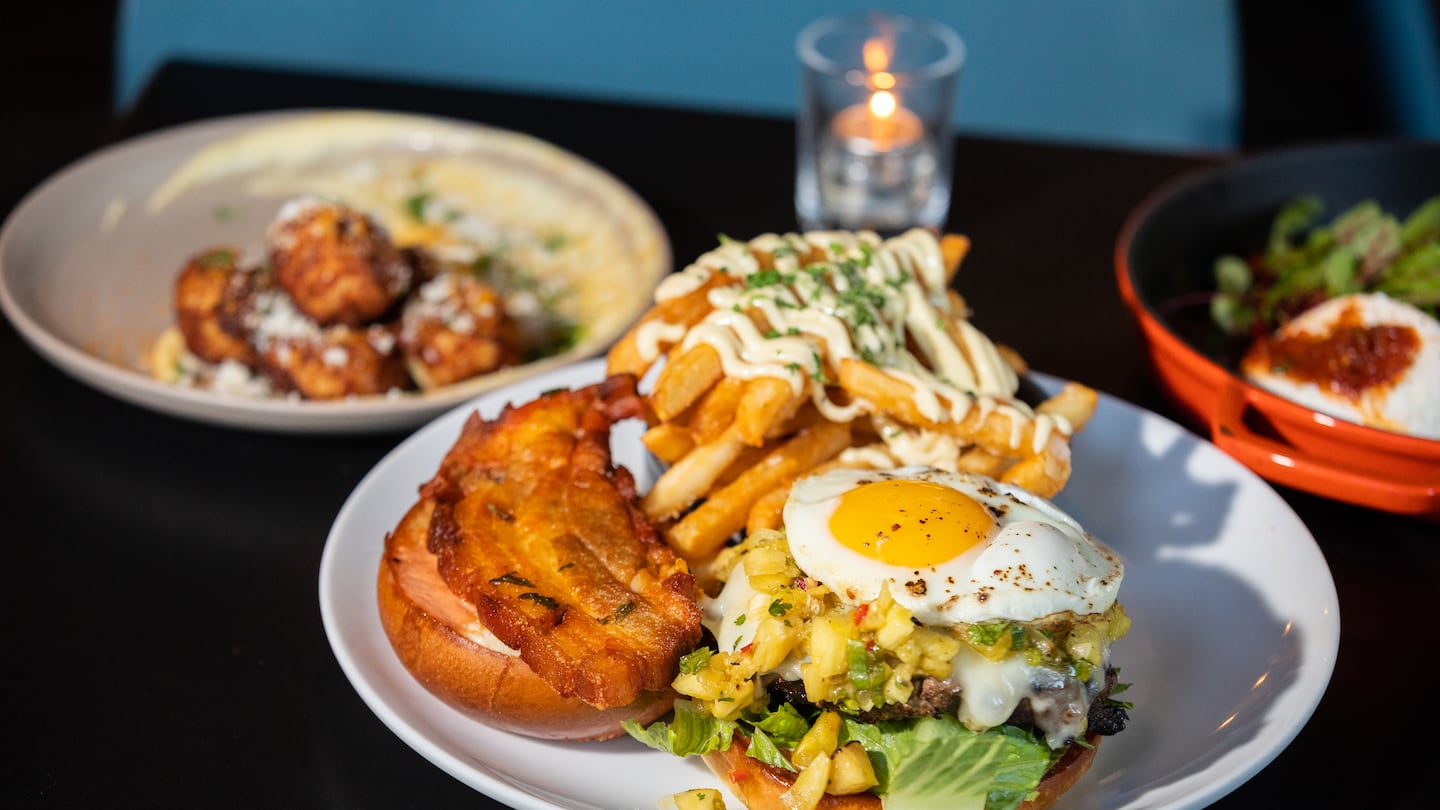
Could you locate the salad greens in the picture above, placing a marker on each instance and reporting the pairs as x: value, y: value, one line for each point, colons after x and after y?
x: 932, y: 762
x: 1365, y: 249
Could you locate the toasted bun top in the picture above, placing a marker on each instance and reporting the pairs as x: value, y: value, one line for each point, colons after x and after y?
x: 491, y: 686
x: 760, y: 786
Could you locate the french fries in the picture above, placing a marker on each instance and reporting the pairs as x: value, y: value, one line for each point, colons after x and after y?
x: 802, y: 395
x: 684, y: 380
x: 703, y: 531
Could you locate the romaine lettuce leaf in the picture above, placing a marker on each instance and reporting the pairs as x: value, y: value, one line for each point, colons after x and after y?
x: 763, y: 749
x: 783, y: 725
x: 939, y: 764
x: 688, y: 732
x: 925, y: 764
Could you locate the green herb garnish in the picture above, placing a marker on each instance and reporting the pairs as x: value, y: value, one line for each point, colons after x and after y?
x: 541, y: 599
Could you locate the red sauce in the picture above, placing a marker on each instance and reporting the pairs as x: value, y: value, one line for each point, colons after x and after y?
x: 1348, y: 360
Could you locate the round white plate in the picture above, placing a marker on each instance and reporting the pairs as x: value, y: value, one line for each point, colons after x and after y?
x: 1236, y: 623
x: 88, y: 260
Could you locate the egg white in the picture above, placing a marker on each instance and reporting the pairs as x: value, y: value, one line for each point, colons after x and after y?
x: 1039, y: 561
x: 1409, y: 406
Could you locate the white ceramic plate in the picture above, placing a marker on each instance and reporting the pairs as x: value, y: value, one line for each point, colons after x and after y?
x: 1236, y: 623
x: 88, y: 260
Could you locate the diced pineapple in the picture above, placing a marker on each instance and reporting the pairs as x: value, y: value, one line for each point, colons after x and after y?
x: 699, y: 799
x: 818, y: 685
x: 1083, y: 643
x: 809, y: 787
x: 702, y: 685
x: 773, y: 642
x: 908, y: 652
x: 734, y: 698
x: 851, y: 771
x: 938, y: 652
x: 820, y: 740
x: 829, y: 637
x: 1001, y: 645
x: 1119, y: 622
x: 899, y: 685
x: 766, y: 560
x: 896, y: 628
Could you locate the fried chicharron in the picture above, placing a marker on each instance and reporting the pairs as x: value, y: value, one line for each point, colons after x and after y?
x: 535, y: 526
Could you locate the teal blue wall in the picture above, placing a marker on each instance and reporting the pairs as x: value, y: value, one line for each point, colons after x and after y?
x: 1161, y: 74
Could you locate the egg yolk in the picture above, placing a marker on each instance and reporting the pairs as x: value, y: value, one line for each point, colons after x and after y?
x: 909, y: 523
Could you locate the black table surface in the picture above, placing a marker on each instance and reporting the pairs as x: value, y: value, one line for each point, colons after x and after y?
x: 163, y: 641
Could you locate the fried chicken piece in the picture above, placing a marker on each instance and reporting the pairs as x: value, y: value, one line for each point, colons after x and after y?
x: 338, y: 264
x: 454, y: 328
x: 318, y: 362
x: 544, y: 536
x: 205, y: 299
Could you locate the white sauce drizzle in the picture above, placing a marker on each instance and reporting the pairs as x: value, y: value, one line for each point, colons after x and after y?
x: 864, y: 298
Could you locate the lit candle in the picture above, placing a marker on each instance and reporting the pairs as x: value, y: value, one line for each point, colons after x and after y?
x: 882, y: 124
x: 876, y: 159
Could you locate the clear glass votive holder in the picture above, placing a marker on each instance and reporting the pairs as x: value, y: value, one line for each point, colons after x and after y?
x: 874, y: 136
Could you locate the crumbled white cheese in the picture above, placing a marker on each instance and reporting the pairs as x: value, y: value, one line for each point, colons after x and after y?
x: 273, y: 317
x: 335, y: 357
x: 235, y: 378
x: 380, y: 339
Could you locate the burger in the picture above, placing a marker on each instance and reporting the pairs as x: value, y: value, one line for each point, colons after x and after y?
x: 911, y: 638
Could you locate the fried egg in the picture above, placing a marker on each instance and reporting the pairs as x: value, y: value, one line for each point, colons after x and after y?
x: 951, y: 547
x: 1364, y: 358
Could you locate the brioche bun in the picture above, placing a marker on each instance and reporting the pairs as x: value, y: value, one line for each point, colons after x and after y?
x: 759, y: 785
x: 432, y: 630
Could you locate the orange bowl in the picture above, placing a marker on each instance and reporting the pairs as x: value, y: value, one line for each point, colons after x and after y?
x: 1164, y: 260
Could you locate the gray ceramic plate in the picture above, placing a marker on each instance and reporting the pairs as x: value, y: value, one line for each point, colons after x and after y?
x: 87, y: 260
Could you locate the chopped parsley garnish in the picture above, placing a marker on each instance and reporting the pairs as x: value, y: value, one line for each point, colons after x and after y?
x: 554, y: 242
x: 499, y: 511
x: 990, y: 633
x: 739, y: 620
x: 415, y: 205
x: 695, y: 661
x: 482, y: 265
x: 820, y: 376
x: 768, y: 278
x: 217, y: 258
x: 512, y: 578
x: 779, y: 608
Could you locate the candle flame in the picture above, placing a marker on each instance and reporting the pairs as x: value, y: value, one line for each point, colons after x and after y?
x: 882, y: 104
x: 876, y: 53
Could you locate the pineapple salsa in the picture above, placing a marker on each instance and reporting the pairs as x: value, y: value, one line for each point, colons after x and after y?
x: 778, y: 627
